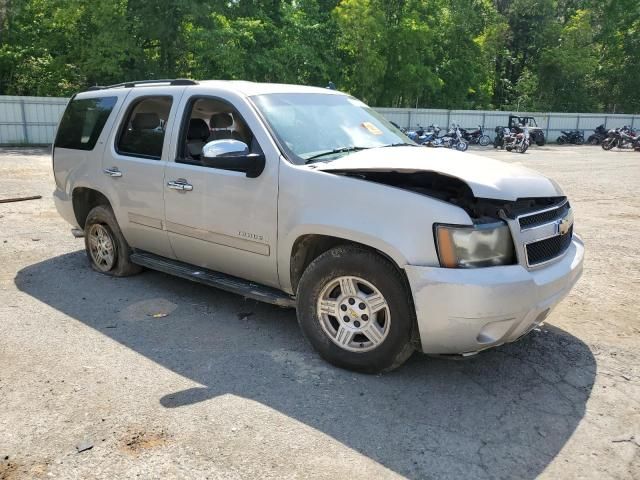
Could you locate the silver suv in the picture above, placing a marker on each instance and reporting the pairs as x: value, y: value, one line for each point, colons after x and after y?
x: 307, y: 198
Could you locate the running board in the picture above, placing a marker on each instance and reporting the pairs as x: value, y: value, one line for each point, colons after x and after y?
x: 219, y: 280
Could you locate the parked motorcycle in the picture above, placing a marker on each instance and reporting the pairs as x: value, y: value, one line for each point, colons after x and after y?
x: 431, y: 136
x: 600, y: 133
x: 512, y: 140
x: 422, y: 136
x: 452, y: 139
x: 575, y: 137
x: 614, y: 139
x: 414, y: 134
x: 476, y: 137
x: 625, y: 137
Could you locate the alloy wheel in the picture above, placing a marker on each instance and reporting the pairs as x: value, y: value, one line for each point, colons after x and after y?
x: 101, y: 247
x: 354, y: 314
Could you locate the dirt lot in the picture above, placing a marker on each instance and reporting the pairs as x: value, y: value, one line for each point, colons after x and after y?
x: 219, y: 387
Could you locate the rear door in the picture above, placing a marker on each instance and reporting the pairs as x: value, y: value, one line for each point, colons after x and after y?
x: 134, y: 164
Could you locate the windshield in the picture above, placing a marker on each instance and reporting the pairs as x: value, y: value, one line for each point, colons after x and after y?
x: 325, y: 126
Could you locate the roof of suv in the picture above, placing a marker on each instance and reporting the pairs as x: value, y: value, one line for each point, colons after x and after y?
x: 256, y: 88
x: 238, y: 86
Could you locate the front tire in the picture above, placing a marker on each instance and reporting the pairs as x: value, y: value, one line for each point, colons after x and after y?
x: 106, y: 247
x: 354, y: 309
x: 484, y: 140
x: 608, y: 143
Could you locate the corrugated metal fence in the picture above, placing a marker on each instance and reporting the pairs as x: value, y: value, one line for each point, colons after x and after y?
x: 33, y: 120
x: 29, y: 120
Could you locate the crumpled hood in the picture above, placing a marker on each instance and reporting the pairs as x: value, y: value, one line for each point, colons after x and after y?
x: 486, y: 177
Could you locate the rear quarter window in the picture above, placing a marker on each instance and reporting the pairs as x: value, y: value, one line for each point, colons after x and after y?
x: 83, y: 121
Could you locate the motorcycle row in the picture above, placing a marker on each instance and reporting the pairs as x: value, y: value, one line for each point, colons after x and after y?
x: 624, y: 137
x: 516, y: 139
x: 460, y: 138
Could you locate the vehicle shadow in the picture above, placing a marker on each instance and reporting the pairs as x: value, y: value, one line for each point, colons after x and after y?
x: 503, y: 414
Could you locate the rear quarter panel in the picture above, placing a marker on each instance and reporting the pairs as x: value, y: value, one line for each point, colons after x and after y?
x: 83, y: 168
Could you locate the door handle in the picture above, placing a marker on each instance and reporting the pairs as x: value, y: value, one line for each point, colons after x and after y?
x: 112, y: 172
x: 180, y: 184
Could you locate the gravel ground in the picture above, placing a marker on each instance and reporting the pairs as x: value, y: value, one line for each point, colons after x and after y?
x: 156, y: 377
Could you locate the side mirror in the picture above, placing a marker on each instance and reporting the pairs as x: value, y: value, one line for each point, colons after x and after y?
x: 232, y: 155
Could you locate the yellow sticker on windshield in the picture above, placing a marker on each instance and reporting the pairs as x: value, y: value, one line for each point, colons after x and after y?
x: 372, y: 128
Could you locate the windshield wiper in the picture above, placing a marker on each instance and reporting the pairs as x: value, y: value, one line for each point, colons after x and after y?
x: 399, y: 145
x: 334, y: 151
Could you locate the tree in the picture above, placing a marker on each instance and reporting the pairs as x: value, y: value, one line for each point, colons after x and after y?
x: 567, y: 70
x: 534, y: 54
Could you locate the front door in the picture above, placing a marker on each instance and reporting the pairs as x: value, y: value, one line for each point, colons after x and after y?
x: 135, y: 162
x: 221, y: 219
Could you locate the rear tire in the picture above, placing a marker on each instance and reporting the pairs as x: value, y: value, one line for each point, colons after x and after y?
x: 354, y: 309
x: 106, y: 247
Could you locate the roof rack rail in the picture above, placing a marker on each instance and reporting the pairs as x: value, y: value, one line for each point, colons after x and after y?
x: 170, y: 81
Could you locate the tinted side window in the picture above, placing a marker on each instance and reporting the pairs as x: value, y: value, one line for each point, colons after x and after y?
x: 83, y: 121
x: 142, y: 133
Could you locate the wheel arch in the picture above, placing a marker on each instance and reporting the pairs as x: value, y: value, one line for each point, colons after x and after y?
x: 84, y: 199
x: 309, y: 246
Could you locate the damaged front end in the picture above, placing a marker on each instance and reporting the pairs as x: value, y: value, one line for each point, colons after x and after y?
x: 504, y: 232
x: 457, y: 192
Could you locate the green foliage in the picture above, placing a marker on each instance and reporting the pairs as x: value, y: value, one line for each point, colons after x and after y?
x: 562, y: 55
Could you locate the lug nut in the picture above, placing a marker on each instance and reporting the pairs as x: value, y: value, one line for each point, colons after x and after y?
x: 343, y: 308
x: 356, y: 323
x: 362, y: 306
x: 346, y: 318
x: 365, y: 317
x: 351, y: 301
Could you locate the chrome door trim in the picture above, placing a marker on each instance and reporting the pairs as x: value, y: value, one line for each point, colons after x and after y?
x: 146, y: 221
x: 219, y: 238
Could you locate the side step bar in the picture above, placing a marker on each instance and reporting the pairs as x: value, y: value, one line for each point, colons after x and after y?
x: 219, y: 280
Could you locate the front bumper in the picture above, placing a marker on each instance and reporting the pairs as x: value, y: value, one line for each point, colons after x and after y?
x: 468, y: 310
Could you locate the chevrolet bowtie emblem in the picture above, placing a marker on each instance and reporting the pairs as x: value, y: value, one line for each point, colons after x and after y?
x: 564, y: 226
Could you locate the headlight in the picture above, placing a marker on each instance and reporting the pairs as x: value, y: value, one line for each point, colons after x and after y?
x: 471, y: 247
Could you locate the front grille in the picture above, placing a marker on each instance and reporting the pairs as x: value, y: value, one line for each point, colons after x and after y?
x: 548, y: 249
x: 544, y: 217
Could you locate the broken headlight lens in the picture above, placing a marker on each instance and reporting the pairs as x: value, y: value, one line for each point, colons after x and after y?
x: 483, y: 245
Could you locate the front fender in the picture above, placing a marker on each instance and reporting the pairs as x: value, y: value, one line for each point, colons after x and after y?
x: 396, y: 222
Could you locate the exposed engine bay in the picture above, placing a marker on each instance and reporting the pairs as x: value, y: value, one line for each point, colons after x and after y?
x: 456, y: 192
